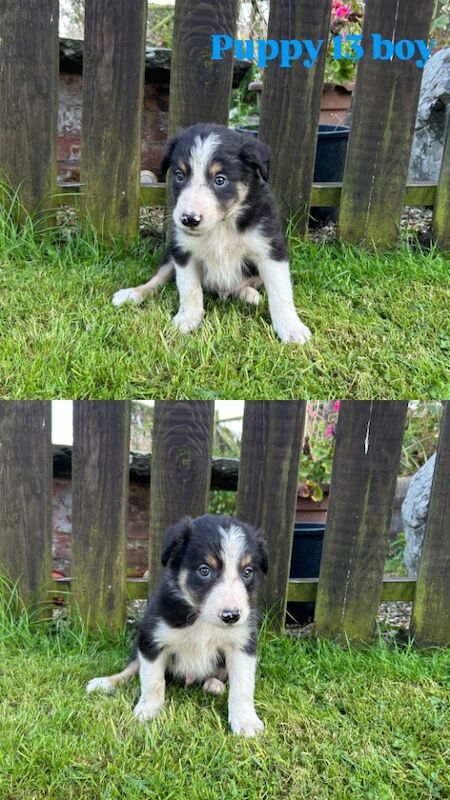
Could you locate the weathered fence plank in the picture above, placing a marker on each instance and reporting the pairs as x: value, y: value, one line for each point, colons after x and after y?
x: 113, y: 84
x: 267, y: 488
x: 29, y: 53
x: 431, y: 607
x: 100, y: 498
x: 181, y: 469
x: 441, y: 213
x: 25, y: 497
x: 368, y: 445
x: 291, y: 105
x: 384, y: 113
x: 200, y: 88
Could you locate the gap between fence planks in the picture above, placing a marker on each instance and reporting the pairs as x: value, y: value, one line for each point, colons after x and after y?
x: 29, y: 101
x: 181, y: 469
x: 25, y: 498
x: 291, y: 106
x: 272, y: 433
x: 113, y: 86
x: 430, y: 622
x: 383, y: 118
x: 101, y: 443
x: 369, y: 437
x: 441, y: 215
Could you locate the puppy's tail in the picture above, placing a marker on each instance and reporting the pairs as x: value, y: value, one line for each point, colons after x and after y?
x: 108, y: 683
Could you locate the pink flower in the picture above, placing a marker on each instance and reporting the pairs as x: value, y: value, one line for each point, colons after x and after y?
x: 337, y: 405
x: 343, y: 11
x: 329, y: 431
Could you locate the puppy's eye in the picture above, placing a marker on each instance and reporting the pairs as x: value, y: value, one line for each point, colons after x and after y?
x: 179, y: 176
x: 247, y: 574
x: 220, y: 180
x: 204, y: 571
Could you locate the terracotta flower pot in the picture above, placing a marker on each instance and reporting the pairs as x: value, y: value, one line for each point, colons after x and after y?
x: 309, y: 510
x: 336, y: 103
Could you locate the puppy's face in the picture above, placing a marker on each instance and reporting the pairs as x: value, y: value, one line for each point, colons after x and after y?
x: 213, y: 169
x: 216, y: 563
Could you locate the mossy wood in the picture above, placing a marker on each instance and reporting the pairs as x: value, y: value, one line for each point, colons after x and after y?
x: 99, y: 516
x: 29, y: 100
x: 383, y: 118
x: 25, y: 497
x: 200, y: 88
x: 441, y: 215
x: 368, y: 445
x: 181, y: 469
x: 431, y: 608
x: 267, y: 487
x: 113, y: 85
x: 291, y: 106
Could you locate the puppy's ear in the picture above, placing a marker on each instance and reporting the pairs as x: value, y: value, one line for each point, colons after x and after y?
x: 175, y: 537
x: 167, y: 157
x: 262, y: 553
x: 256, y: 155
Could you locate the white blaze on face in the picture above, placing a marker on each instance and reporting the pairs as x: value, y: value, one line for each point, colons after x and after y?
x: 230, y: 591
x: 197, y: 198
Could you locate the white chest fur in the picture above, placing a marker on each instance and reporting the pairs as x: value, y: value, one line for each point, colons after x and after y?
x: 195, y: 648
x: 222, y: 252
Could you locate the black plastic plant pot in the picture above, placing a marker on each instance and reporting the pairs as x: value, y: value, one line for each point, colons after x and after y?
x: 329, y: 165
x: 305, y: 563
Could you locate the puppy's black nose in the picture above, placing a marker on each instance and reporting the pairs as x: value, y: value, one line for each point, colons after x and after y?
x: 230, y: 615
x: 190, y: 220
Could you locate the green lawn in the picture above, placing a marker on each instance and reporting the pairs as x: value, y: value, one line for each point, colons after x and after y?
x: 380, y: 323
x: 370, y: 724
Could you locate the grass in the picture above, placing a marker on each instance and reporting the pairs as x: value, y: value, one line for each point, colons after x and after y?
x: 369, y: 724
x: 380, y: 323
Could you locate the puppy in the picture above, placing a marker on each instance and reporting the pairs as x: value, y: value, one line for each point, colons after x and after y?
x: 201, y: 625
x: 226, y: 236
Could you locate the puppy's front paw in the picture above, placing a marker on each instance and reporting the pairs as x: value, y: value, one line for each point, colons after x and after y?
x: 100, y: 684
x: 147, y: 709
x: 127, y: 296
x: 246, y: 724
x: 187, y: 322
x: 293, y: 330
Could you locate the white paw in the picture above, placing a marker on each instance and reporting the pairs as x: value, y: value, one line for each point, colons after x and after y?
x: 147, y: 709
x: 293, y: 330
x: 250, y: 295
x: 127, y: 296
x: 186, y: 322
x: 214, y: 686
x: 100, y: 684
x: 246, y: 725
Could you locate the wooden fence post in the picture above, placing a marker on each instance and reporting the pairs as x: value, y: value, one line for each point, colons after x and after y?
x: 100, y: 456
x: 181, y: 469
x: 29, y: 100
x: 113, y: 85
x: 26, y: 496
x: 383, y: 118
x: 430, y: 623
x: 200, y: 88
x: 267, y: 487
x: 369, y: 437
x: 441, y: 210
x: 291, y: 106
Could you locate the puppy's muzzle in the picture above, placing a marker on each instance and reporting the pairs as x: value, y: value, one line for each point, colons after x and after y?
x: 191, y: 220
x: 230, y: 615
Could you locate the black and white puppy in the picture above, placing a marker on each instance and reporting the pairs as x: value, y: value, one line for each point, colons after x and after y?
x: 201, y: 624
x: 226, y: 236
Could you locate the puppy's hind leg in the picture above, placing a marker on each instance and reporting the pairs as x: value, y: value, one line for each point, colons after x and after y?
x: 108, y: 683
x: 165, y: 273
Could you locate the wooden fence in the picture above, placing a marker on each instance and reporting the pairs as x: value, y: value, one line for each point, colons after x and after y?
x: 374, y: 188
x: 351, y: 583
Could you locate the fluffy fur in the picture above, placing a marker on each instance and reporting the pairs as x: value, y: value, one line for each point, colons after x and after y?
x: 226, y: 235
x: 201, y: 624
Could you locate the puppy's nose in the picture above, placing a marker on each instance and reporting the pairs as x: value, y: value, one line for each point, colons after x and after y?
x: 190, y: 220
x: 230, y: 615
